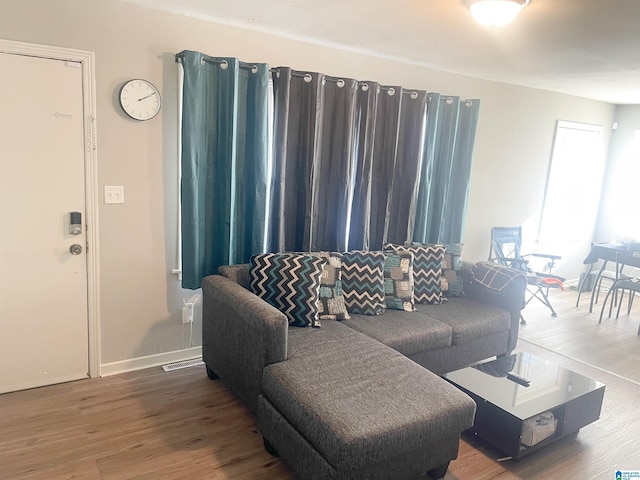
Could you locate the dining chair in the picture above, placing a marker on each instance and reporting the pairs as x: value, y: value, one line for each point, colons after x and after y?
x: 623, y: 283
x: 609, y: 277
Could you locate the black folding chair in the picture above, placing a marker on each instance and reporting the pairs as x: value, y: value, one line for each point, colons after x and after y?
x: 623, y: 283
x: 506, y: 243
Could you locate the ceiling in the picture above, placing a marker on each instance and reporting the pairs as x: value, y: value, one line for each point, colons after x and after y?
x: 588, y: 48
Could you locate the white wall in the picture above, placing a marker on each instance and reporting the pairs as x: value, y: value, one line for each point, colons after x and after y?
x: 616, y: 195
x: 141, y: 300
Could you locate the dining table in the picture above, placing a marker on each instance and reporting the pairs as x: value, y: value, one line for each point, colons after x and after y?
x: 606, y: 251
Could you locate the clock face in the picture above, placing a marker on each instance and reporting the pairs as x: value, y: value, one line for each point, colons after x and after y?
x: 140, y: 99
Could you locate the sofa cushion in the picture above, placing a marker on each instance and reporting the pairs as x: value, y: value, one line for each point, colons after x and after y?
x: 343, y: 398
x: 363, y: 282
x: 312, y: 341
x: 469, y: 319
x: 427, y: 270
x: 398, y: 280
x: 291, y: 283
x: 407, y: 333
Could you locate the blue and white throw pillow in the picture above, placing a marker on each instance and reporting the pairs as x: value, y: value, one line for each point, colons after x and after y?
x: 289, y: 282
x: 452, y: 281
x: 331, y: 302
x: 363, y: 282
x: 398, y: 280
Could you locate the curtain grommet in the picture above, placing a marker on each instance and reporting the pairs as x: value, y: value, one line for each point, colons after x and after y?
x: 391, y: 92
x: 365, y: 87
x: 254, y: 69
x: 414, y: 95
x: 308, y: 78
x: 224, y: 64
x: 340, y: 83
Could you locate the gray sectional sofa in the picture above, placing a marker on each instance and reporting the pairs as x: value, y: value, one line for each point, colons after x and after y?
x: 360, y: 398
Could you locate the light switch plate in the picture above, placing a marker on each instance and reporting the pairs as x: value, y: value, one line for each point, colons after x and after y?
x: 113, y: 194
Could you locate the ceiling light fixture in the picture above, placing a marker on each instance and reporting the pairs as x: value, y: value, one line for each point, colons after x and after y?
x: 495, y: 13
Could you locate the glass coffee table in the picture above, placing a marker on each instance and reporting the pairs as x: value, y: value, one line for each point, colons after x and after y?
x: 518, y: 417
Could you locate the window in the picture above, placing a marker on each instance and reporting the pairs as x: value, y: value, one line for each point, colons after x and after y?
x: 573, y: 187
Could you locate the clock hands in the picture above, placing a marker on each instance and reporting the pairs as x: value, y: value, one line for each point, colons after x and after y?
x: 150, y: 95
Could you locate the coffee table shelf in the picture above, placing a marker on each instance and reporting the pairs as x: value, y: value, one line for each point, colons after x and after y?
x: 503, y: 405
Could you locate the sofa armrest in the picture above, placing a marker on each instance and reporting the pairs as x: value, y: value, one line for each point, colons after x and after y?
x: 511, y: 298
x: 241, y: 334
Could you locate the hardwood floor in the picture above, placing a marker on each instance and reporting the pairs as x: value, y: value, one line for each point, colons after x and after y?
x: 155, y: 425
x: 140, y: 425
x: 596, y: 452
x: 613, y: 344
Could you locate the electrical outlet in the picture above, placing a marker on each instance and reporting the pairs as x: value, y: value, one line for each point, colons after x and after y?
x: 187, y: 313
x: 188, y: 308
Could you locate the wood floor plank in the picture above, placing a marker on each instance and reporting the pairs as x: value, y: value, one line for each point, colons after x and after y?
x: 612, y: 344
x: 151, y: 424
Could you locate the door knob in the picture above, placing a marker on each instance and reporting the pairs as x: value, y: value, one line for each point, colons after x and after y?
x: 75, y: 249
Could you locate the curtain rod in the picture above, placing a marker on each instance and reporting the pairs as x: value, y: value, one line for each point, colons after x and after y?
x: 308, y: 78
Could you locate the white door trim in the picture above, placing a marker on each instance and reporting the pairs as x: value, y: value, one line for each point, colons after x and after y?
x: 87, y: 60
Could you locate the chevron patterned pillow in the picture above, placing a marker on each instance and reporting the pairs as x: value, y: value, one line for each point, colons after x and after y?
x: 398, y: 280
x: 291, y: 283
x: 427, y: 266
x: 363, y: 282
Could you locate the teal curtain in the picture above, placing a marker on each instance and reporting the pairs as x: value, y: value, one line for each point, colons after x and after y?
x: 452, y: 227
x: 355, y: 164
x: 225, y: 159
x: 446, y: 169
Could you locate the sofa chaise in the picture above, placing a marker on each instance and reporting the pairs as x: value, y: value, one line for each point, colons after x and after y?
x: 359, y: 398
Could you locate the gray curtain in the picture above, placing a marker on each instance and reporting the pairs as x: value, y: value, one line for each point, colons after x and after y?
x: 314, y: 127
x: 401, y: 213
x: 390, y: 139
x: 378, y: 122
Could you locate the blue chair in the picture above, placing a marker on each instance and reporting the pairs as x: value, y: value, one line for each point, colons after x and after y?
x: 506, y: 243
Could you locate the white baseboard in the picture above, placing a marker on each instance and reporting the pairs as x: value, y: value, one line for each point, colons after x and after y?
x: 572, y: 282
x: 139, y: 363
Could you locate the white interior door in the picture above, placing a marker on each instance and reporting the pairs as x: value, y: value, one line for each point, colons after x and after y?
x: 43, y: 286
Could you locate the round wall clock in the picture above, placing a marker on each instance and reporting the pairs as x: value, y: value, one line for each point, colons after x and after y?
x: 140, y: 99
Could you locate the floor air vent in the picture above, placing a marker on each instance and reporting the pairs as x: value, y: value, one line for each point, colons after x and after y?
x: 185, y: 364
